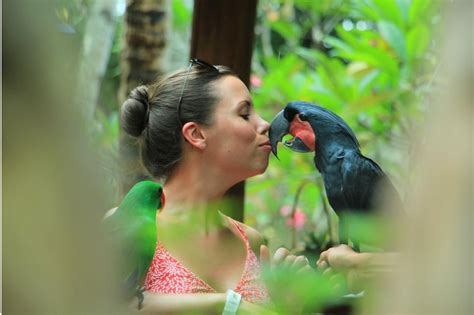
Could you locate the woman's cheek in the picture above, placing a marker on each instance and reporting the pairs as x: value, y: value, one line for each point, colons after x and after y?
x: 246, y: 134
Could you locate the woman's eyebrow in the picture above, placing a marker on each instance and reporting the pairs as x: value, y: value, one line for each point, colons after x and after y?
x: 245, y: 103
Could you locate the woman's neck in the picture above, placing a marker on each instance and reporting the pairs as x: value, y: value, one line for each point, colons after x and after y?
x: 195, y: 193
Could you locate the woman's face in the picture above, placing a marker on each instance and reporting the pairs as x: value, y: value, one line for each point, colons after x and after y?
x: 237, y: 139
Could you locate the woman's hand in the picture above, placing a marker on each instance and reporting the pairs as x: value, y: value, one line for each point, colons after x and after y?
x: 357, y: 268
x: 339, y: 258
x: 344, y: 267
x: 285, y: 260
x: 280, y: 274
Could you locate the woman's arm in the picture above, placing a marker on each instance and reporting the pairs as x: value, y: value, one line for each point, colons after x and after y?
x: 343, y: 257
x: 201, y: 303
x: 356, y: 267
x: 198, y: 303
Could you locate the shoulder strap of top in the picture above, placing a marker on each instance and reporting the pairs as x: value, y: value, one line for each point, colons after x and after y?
x: 240, y: 229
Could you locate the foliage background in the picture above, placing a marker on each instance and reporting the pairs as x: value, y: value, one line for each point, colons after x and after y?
x: 370, y: 61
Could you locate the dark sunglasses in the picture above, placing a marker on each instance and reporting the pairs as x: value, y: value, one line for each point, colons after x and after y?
x: 192, y: 62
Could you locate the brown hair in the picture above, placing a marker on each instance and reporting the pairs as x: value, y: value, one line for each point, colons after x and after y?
x: 150, y: 114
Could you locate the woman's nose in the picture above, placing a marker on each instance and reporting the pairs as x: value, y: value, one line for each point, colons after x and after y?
x: 263, y: 126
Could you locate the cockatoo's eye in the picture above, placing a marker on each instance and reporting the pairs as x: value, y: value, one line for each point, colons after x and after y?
x: 303, y: 117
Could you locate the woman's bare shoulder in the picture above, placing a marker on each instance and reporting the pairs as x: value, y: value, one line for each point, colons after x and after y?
x: 254, y: 237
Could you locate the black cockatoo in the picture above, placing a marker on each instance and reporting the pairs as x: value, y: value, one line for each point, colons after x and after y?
x: 353, y: 182
x: 132, y: 231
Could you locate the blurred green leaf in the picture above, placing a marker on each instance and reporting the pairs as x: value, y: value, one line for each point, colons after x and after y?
x: 417, y: 41
x: 182, y: 13
x: 310, y: 290
x: 390, y: 11
x: 420, y: 10
x: 289, y: 31
x: 394, y: 36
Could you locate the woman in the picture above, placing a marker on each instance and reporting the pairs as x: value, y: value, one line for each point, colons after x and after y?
x: 199, y: 135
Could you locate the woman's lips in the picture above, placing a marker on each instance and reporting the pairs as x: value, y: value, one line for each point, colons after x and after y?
x: 266, y: 145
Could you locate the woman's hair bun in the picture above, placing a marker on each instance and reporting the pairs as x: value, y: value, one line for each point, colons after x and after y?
x: 135, y: 111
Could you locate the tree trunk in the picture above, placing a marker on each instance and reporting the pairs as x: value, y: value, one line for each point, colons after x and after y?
x: 146, y: 28
x: 95, y: 52
x: 223, y: 33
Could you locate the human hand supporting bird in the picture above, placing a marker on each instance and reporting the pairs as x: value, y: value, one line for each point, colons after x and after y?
x: 356, y: 268
x: 281, y: 273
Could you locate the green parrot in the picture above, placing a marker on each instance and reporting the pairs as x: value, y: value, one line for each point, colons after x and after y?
x: 132, y: 232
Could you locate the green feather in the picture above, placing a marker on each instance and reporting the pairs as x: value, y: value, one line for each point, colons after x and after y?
x: 132, y: 229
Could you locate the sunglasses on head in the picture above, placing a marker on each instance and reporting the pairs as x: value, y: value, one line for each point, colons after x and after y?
x: 192, y: 62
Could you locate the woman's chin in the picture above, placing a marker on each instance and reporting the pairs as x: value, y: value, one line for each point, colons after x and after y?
x: 262, y: 168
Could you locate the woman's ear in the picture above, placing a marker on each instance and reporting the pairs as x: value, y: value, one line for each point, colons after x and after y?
x: 193, y: 134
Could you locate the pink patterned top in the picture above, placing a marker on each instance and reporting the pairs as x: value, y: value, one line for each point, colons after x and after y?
x: 168, y: 275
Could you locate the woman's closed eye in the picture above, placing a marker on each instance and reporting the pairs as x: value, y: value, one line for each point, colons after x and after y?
x: 245, y: 110
x: 245, y: 116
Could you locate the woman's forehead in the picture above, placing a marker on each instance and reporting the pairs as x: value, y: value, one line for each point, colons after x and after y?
x: 233, y: 92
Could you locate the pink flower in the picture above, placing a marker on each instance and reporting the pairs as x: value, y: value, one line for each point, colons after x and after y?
x: 255, y: 81
x: 299, y: 220
x: 285, y: 210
